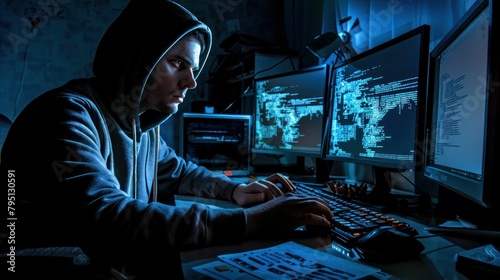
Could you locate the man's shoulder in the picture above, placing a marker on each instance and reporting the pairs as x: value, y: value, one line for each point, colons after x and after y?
x: 78, y: 88
x: 76, y: 91
x: 73, y: 98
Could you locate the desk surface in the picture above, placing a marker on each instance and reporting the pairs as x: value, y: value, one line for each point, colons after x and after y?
x: 435, y: 262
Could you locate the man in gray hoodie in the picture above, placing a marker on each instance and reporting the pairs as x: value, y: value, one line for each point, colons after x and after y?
x: 92, y: 171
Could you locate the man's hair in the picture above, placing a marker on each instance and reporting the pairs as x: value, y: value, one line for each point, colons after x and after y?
x: 198, y: 35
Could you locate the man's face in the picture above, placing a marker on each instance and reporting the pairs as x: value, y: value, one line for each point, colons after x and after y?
x: 172, y: 77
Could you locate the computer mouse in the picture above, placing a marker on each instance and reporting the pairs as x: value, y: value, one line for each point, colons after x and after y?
x: 387, y: 244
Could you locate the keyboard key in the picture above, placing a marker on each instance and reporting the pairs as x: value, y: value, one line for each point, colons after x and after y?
x: 351, y: 221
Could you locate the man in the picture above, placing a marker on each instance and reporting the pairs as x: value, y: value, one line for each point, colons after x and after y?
x: 92, y: 170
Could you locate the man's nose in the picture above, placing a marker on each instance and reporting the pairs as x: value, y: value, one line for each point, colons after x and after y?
x: 189, y: 81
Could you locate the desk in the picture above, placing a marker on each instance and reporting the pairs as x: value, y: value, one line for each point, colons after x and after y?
x: 436, y: 261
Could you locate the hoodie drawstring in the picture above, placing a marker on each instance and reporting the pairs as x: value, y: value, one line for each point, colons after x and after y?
x: 134, y: 167
x: 154, y: 189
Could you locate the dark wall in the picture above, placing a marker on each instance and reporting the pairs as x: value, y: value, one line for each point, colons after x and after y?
x: 46, y: 43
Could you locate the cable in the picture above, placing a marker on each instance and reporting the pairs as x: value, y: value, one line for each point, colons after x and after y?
x: 21, y: 82
x: 232, y: 103
x: 267, y: 69
x: 277, y: 157
x: 409, y: 181
x: 253, y: 76
x: 423, y: 194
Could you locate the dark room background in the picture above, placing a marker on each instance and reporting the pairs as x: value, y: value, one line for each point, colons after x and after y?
x: 46, y: 43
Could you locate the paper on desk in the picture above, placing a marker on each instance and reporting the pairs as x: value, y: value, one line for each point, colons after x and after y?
x: 222, y: 271
x: 295, y: 261
x: 458, y: 223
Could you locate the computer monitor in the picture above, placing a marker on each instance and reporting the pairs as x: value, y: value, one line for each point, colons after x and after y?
x: 289, y: 109
x: 376, y: 116
x: 219, y: 142
x: 463, y: 111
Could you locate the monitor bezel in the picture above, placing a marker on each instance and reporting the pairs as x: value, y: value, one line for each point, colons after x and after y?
x: 397, y: 165
x: 490, y: 198
x: 290, y: 152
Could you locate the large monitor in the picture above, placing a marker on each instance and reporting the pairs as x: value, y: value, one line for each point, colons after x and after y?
x: 219, y: 142
x: 463, y: 116
x: 289, y: 110
x: 376, y: 116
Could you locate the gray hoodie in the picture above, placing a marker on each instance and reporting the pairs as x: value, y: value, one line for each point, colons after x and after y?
x: 93, y: 173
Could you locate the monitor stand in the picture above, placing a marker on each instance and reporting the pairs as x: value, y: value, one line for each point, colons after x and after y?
x: 322, y: 170
x: 451, y: 205
x: 317, y: 176
x: 382, y: 180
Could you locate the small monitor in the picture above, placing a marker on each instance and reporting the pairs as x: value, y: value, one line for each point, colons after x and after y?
x: 289, y: 111
x: 219, y: 142
x: 463, y: 111
x: 376, y: 116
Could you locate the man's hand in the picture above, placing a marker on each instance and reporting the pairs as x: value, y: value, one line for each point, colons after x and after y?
x: 262, y: 190
x: 286, y: 213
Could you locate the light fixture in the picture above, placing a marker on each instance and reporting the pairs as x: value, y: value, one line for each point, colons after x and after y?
x: 325, y: 44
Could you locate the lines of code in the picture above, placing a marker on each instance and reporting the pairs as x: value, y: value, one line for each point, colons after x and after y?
x: 289, y: 112
x: 373, y: 114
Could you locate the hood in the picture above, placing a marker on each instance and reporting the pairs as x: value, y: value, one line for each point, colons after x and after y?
x: 130, y: 49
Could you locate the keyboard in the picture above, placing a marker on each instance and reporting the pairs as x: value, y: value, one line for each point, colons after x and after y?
x: 352, y: 221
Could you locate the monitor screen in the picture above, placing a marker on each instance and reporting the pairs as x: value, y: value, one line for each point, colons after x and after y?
x: 377, y: 111
x: 219, y: 142
x: 463, y: 108
x: 289, y: 112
